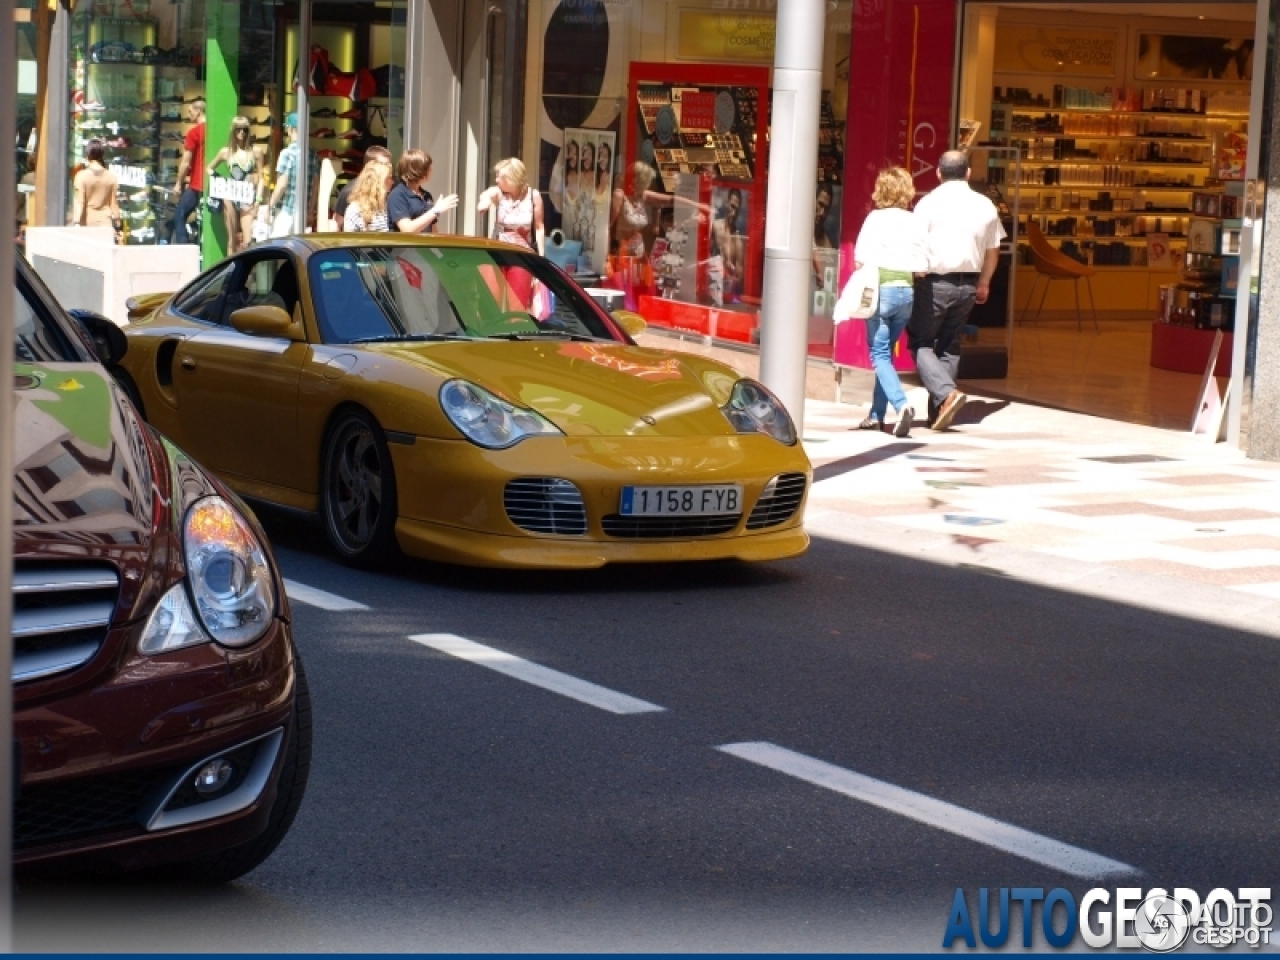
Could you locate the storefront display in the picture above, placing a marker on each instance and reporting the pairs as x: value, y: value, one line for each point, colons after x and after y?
x: 697, y: 131
x: 137, y: 73
x: 130, y: 93
x: 1114, y: 159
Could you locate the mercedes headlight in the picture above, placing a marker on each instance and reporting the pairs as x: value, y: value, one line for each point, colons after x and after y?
x: 228, y: 596
x: 490, y: 421
x: 753, y: 409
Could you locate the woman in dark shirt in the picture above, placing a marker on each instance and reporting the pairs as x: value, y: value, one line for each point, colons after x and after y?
x: 410, y: 208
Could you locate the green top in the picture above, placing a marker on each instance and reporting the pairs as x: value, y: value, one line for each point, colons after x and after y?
x: 895, y: 278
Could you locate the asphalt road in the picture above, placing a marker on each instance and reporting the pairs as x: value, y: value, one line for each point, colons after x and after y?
x: 452, y: 807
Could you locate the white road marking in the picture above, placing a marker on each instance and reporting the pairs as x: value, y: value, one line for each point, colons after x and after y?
x: 935, y: 813
x: 534, y: 673
x: 319, y: 598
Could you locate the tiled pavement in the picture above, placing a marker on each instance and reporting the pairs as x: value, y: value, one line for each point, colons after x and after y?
x: 1147, y: 516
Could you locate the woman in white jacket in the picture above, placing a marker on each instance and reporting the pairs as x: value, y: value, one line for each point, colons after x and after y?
x: 891, y: 240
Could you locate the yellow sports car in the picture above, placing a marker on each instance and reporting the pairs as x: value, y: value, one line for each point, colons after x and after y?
x: 465, y: 401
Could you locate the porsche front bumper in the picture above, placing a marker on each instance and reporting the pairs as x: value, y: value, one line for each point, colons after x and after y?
x: 451, y: 498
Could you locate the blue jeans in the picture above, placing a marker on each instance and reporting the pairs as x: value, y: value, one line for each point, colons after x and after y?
x: 883, y: 331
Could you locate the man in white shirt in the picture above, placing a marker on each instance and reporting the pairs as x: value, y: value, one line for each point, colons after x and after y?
x: 962, y: 234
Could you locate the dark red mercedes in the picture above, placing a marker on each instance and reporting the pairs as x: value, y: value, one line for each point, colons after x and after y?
x: 161, y: 716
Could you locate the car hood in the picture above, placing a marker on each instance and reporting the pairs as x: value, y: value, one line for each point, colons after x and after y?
x: 82, y: 471
x: 591, y: 389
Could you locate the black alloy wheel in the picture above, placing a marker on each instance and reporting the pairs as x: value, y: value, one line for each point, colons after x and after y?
x: 359, y: 490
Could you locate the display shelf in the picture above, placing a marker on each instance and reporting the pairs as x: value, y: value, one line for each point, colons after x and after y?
x: 1157, y: 137
x: 1130, y: 238
x: 1078, y: 111
x: 1110, y: 214
x: 1112, y: 188
x: 1090, y: 162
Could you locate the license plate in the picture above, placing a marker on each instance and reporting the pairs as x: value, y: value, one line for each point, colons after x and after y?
x: 699, y: 501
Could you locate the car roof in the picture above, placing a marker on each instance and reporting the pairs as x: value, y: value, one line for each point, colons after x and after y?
x: 332, y: 241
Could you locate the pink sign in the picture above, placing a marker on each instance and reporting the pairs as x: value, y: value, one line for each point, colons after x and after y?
x: 902, y: 61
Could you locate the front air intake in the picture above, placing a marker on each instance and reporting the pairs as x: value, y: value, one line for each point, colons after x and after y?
x: 778, y: 502
x: 546, y: 505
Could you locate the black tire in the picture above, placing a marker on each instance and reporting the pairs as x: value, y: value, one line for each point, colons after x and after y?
x: 358, y: 490
x: 237, y: 861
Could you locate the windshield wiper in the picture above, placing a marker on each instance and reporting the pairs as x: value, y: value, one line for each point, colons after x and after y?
x: 404, y: 337
x: 543, y: 334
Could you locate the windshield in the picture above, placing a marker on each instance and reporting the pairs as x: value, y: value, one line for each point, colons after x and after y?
x: 367, y: 294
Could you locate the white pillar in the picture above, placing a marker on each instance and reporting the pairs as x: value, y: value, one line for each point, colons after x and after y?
x: 8, y: 187
x: 788, y: 232
x: 57, y: 99
x: 432, y: 89
x: 302, y: 175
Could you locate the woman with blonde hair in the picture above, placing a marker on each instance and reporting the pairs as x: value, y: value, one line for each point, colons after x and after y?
x: 518, y: 218
x: 242, y: 165
x: 367, y: 204
x: 892, y: 241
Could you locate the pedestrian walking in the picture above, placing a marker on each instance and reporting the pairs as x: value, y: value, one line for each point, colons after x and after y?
x: 518, y: 218
x: 962, y: 235
x: 284, y: 196
x: 411, y: 206
x: 95, y: 191
x: 189, y: 186
x: 367, y: 205
x: 891, y: 241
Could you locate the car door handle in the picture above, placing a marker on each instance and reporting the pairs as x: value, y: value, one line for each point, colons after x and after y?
x: 188, y: 362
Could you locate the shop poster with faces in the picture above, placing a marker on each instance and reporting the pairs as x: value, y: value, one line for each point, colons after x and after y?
x: 588, y: 190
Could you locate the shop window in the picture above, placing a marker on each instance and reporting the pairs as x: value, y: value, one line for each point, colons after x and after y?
x: 136, y: 74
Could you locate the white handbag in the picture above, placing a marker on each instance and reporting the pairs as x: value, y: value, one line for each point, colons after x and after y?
x: 861, y: 295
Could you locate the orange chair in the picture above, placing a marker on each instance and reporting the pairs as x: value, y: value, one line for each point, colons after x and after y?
x: 1052, y: 264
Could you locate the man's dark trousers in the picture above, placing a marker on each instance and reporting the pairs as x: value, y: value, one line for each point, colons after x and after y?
x: 940, y: 309
x: 187, y: 204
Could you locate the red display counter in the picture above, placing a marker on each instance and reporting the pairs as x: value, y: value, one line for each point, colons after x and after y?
x: 1186, y: 349
x: 739, y: 324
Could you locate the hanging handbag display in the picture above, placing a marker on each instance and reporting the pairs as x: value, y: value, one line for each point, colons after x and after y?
x: 861, y: 295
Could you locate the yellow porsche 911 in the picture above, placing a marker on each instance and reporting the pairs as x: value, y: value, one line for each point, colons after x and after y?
x: 465, y: 401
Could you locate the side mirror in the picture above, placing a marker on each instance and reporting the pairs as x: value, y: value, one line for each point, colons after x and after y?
x: 264, y: 320
x: 631, y: 322
x: 109, y: 342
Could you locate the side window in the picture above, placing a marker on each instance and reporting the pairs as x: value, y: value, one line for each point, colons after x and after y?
x: 204, y: 300
x: 271, y: 281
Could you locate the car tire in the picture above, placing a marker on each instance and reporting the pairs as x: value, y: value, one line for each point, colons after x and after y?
x: 358, y: 490
x: 235, y: 862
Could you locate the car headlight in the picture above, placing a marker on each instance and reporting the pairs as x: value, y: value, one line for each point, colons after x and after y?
x: 487, y: 420
x: 228, y: 577
x: 753, y: 409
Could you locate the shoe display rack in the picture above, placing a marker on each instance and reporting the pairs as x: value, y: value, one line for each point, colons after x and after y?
x: 339, y: 131
x: 131, y: 94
